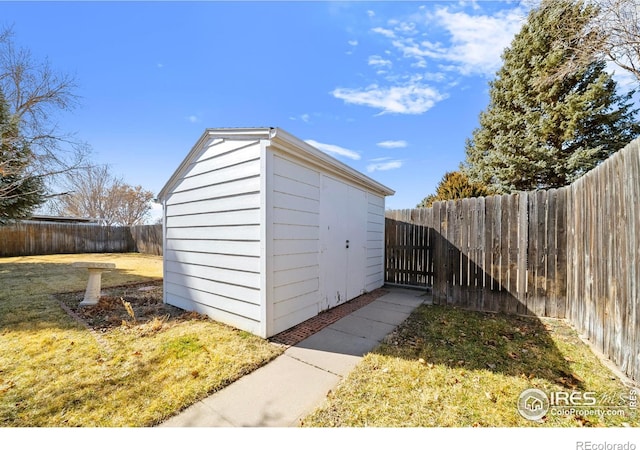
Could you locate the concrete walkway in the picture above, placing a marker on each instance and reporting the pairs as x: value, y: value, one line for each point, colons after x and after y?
x: 285, y: 390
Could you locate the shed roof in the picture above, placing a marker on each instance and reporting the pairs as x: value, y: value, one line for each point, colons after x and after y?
x: 285, y: 142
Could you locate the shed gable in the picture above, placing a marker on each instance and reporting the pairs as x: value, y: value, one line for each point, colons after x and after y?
x: 212, y: 234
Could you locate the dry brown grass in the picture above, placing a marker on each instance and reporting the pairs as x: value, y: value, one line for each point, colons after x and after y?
x: 446, y: 367
x: 103, y: 368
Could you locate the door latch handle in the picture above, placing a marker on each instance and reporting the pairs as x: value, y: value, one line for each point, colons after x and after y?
x: 347, y: 243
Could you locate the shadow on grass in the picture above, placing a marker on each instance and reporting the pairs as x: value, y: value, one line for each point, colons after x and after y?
x: 496, y: 342
x: 482, y: 324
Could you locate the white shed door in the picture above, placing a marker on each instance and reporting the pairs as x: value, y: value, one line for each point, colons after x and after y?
x: 343, y: 234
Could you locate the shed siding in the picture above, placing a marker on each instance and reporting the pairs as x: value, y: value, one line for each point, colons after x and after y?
x: 212, y: 235
x: 296, y: 234
x: 374, y: 272
x: 245, y: 216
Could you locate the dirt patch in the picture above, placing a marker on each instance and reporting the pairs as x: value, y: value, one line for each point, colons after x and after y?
x: 129, y: 306
x: 139, y: 307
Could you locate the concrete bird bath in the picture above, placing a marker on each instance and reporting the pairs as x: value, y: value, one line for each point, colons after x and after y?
x: 92, y: 294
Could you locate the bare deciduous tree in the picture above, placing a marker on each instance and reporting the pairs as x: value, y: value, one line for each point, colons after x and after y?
x: 133, y: 205
x: 613, y: 34
x: 95, y: 193
x: 620, y: 21
x: 35, y: 94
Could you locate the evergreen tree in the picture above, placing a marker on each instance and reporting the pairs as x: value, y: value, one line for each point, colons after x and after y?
x: 20, y: 191
x: 454, y: 186
x: 427, y: 202
x: 541, y: 131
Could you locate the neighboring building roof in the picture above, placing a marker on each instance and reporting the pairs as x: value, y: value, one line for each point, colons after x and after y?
x: 282, y: 141
x: 66, y: 219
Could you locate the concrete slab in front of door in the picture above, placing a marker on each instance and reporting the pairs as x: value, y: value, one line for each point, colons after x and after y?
x: 366, y: 328
x: 382, y: 314
x: 380, y: 303
x: 406, y: 297
x: 332, y: 350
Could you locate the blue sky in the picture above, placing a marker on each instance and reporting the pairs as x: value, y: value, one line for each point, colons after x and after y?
x: 392, y: 89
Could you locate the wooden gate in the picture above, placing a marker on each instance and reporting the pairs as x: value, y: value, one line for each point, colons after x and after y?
x: 408, y: 255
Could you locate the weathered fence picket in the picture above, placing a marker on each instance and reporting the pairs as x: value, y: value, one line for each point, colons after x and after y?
x: 603, y: 252
x: 45, y: 238
x: 571, y: 253
x: 492, y: 254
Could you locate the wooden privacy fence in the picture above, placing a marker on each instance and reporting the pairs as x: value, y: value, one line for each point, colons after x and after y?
x: 569, y: 253
x: 502, y: 253
x: 45, y: 238
x: 146, y: 239
x: 603, y: 248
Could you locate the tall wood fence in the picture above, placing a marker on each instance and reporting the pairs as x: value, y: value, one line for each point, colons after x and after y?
x: 603, y: 283
x: 45, y: 238
x: 503, y: 253
x: 146, y: 239
x: 569, y: 253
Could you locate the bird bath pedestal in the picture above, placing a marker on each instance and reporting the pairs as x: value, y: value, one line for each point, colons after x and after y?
x: 92, y: 294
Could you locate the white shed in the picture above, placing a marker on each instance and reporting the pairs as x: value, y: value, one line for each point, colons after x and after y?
x: 263, y: 231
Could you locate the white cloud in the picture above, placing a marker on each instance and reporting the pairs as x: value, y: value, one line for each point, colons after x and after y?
x: 428, y: 51
x: 478, y: 41
x: 376, y: 60
x: 370, y: 13
x: 193, y: 119
x: 392, y: 144
x: 385, y: 32
x: 411, y: 49
x: 475, y: 45
x: 334, y: 150
x: 411, y: 98
x: 406, y: 28
x: 353, y: 43
x: 384, y: 165
x: 304, y: 117
x: 435, y: 76
x: 159, y: 65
